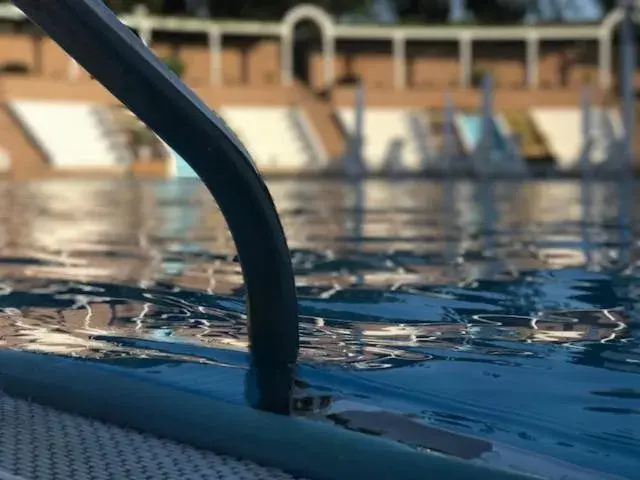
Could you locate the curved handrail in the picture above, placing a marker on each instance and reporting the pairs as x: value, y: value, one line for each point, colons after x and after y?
x: 92, y: 34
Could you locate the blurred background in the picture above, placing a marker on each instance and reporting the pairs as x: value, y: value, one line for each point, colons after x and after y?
x: 285, y: 76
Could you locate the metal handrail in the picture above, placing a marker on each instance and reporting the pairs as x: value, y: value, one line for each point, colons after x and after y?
x: 92, y: 34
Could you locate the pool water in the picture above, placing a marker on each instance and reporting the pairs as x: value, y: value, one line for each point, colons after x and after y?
x: 504, y: 311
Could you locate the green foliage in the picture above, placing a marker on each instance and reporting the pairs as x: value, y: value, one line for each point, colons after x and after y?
x: 127, y: 6
x: 275, y: 9
x: 409, y: 11
x: 175, y: 64
x: 609, y: 4
x: 414, y: 12
x: 250, y: 9
x: 484, y: 11
x: 497, y: 11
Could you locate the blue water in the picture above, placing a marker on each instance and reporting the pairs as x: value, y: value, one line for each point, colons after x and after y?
x: 504, y: 311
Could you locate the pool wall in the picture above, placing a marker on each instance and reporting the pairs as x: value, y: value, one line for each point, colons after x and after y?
x: 298, y: 446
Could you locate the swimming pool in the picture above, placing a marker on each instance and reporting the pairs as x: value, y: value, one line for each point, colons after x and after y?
x: 503, y: 311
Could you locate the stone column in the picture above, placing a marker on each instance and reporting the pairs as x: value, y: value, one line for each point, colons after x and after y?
x: 399, y: 61
x: 215, y: 56
x: 286, y: 61
x: 465, y: 59
x: 533, y: 61
x: 328, y: 54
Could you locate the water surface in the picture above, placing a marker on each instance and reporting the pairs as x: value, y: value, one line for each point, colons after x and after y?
x: 504, y: 311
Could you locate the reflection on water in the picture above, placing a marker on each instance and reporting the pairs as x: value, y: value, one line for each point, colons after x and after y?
x: 505, y: 311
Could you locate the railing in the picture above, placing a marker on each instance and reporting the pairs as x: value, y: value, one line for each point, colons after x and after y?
x: 108, y: 50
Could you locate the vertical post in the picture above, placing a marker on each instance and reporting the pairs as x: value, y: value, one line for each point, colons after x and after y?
x: 329, y: 53
x: 215, y: 56
x: 358, y: 217
x: 465, y: 59
x: 627, y: 84
x: 586, y: 131
x: 286, y: 62
x: 447, y: 154
x: 485, y: 146
x: 143, y: 24
x: 533, y: 60
x: 358, y: 130
x: 604, y: 60
x: 586, y: 204
x: 146, y: 33
x: 399, y: 61
x: 484, y: 159
x: 625, y: 201
x: 448, y: 134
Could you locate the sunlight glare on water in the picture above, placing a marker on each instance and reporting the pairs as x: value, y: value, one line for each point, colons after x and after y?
x: 504, y: 311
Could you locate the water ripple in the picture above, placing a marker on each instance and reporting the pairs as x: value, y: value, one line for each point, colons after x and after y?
x: 514, y: 321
